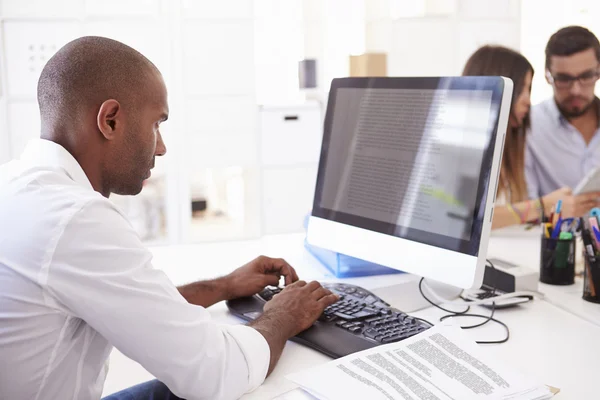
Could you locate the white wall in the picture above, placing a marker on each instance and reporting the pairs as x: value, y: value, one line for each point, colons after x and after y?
x: 222, y: 59
x: 436, y: 37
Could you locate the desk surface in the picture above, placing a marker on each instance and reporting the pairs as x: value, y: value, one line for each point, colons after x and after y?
x: 551, y: 344
x: 523, y: 249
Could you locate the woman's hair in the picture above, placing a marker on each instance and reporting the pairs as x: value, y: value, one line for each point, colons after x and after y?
x: 501, y: 61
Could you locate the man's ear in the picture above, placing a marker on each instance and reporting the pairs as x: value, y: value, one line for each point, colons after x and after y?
x: 110, y: 118
x: 547, y: 75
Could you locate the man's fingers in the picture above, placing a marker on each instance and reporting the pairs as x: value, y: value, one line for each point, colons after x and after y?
x: 298, y: 284
x: 312, y: 286
x: 294, y: 275
x: 289, y: 273
x: 271, y: 280
x: 280, y: 267
x: 328, y: 300
x: 320, y: 293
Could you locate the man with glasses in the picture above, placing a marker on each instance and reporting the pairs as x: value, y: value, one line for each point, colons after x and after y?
x: 564, y: 141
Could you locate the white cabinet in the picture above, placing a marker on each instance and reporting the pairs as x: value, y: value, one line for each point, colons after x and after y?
x: 290, y: 135
x: 290, y: 145
x: 28, y: 46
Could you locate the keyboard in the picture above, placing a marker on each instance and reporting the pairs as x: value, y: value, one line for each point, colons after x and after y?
x: 358, y: 321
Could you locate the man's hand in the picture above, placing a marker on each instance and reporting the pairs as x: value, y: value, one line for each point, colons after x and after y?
x: 290, y: 312
x: 258, y: 273
x: 302, y: 303
x: 244, y: 281
x: 572, y: 206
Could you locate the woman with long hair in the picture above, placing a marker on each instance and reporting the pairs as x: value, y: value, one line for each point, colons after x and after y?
x: 512, y: 203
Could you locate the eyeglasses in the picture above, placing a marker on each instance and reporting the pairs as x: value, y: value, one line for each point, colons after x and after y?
x: 562, y: 81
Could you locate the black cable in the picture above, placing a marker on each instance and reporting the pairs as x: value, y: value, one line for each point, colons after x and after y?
x: 423, y: 320
x: 464, y: 313
x: 437, y: 306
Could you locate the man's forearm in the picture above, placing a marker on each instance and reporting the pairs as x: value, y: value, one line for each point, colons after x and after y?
x: 276, y: 331
x: 205, y: 293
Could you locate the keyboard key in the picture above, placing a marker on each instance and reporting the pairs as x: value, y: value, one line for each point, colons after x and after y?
x: 355, y: 329
x: 371, y: 333
x: 374, y: 319
x: 393, y: 338
x: 347, y: 317
x: 326, y: 318
x: 362, y: 314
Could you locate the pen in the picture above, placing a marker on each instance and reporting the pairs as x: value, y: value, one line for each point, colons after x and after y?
x: 593, y: 229
x: 556, y: 230
x: 596, y: 235
x: 588, y: 244
x: 547, y: 228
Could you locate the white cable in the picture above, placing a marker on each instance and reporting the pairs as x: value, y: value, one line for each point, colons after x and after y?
x: 440, y: 300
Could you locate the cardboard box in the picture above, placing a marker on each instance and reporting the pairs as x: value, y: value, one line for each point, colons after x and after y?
x: 368, y: 64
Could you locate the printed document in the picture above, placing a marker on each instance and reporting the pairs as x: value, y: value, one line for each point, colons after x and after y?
x: 438, y: 364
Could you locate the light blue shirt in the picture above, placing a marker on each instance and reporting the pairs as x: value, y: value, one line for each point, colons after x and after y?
x: 556, y: 154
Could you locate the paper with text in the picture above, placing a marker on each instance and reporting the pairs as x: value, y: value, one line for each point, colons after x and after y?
x: 438, y: 364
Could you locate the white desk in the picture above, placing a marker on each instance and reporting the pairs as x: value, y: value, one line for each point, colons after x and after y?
x: 523, y: 248
x: 548, y: 343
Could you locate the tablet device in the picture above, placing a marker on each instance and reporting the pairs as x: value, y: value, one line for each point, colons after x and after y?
x: 589, y: 183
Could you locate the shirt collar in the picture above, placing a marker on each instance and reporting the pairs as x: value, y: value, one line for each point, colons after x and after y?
x: 44, y: 153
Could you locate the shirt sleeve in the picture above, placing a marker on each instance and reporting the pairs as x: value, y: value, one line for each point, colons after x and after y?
x: 533, y: 187
x: 102, y: 273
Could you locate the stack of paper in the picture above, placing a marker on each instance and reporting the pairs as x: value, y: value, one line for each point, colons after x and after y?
x: 438, y: 364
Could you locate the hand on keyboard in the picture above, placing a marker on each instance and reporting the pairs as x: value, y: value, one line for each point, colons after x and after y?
x: 358, y: 321
x: 301, y: 303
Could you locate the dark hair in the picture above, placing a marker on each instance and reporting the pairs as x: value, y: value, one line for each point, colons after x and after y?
x: 499, y: 61
x: 570, y: 40
x: 502, y: 61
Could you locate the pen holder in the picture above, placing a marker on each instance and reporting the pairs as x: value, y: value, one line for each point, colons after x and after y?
x: 591, y: 279
x: 557, y: 261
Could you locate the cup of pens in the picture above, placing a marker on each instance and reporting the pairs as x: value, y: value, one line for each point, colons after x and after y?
x: 557, y: 257
x: 590, y: 235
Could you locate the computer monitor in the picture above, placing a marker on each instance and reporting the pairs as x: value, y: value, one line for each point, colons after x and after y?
x: 408, y: 173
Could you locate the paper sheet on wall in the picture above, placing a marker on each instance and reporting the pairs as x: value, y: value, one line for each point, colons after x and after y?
x: 438, y: 364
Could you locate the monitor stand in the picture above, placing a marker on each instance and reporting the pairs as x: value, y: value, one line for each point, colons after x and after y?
x: 404, y: 294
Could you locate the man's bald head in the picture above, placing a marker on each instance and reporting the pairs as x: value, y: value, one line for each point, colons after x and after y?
x: 103, y: 102
x: 86, y: 72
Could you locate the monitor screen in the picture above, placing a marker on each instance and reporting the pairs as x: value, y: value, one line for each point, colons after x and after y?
x: 410, y: 157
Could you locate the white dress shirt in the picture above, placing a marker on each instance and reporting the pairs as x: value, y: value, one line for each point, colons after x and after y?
x: 75, y: 279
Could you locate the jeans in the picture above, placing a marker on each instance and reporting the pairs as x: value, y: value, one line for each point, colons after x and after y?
x: 152, y: 390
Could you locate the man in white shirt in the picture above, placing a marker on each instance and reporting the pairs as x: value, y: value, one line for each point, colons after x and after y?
x: 75, y: 278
